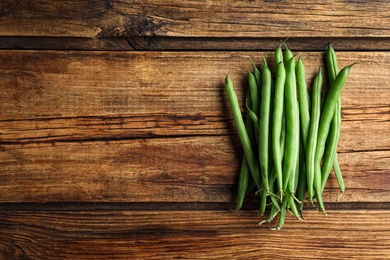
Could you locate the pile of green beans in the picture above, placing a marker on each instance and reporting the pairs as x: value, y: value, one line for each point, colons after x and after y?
x: 290, y: 136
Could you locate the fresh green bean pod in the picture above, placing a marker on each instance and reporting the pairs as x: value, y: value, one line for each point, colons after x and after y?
x: 287, y: 54
x: 263, y: 202
x: 277, y: 124
x: 278, y: 55
x: 293, y: 207
x: 293, y: 182
x: 334, y: 131
x: 301, y: 189
x: 283, y: 210
x: 325, y: 121
x: 254, y: 101
x: 304, y: 101
x: 272, y: 179
x: 257, y: 74
x: 252, y: 134
x: 331, y: 147
x: 292, y: 136
x: 339, y: 177
x: 264, y: 121
x: 254, y: 93
x: 331, y: 64
x: 313, y: 133
x: 272, y: 214
x: 242, y: 133
x: 243, y: 182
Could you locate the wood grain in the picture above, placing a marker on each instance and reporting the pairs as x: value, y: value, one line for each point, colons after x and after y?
x: 191, y: 235
x: 192, y: 18
x: 116, y: 154
x: 139, y: 126
x: 187, y: 25
x: 193, y: 169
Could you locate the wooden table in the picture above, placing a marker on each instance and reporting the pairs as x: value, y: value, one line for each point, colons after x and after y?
x: 116, y: 141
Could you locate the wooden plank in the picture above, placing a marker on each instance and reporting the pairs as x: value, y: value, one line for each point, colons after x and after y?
x: 63, y: 96
x: 358, y: 234
x: 193, y: 19
x: 62, y: 112
x: 186, y: 169
x: 147, y: 170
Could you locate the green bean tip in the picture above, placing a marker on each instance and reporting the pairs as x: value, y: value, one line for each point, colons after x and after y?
x: 340, y: 195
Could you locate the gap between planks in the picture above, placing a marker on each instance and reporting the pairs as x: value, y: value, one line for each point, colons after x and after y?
x: 171, y: 206
x: 166, y: 43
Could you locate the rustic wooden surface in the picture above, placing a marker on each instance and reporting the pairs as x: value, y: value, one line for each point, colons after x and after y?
x: 116, y: 140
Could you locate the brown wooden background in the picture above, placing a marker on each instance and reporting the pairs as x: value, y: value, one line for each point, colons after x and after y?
x: 116, y: 141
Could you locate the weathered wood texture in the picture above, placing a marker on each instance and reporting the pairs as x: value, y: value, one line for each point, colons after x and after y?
x: 136, y: 151
x: 191, y: 235
x: 152, y: 24
x: 192, y: 18
x: 102, y: 126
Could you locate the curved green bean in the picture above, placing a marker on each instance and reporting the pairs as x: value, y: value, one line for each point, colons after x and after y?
x: 243, y: 182
x: 325, y: 121
x: 334, y: 132
x: 242, y: 133
x: 339, y: 176
x: 313, y: 132
x: 331, y: 147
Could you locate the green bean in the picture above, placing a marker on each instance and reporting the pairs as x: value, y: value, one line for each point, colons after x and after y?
x: 292, y: 136
x: 313, y: 132
x: 272, y: 179
x: 264, y: 121
x: 277, y: 124
x: 254, y: 101
x: 334, y: 132
x: 331, y: 64
x: 278, y: 55
x: 242, y: 133
x: 293, y: 182
x: 293, y: 207
x: 339, y: 176
x: 325, y: 121
x: 263, y: 202
x: 250, y: 128
x: 287, y: 54
x: 257, y: 74
x: 272, y: 214
x: 254, y: 93
x: 282, y: 217
x: 283, y: 133
x: 331, y: 147
x: 304, y: 101
x: 301, y: 189
x: 242, y: 183
x: 245, y: 182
